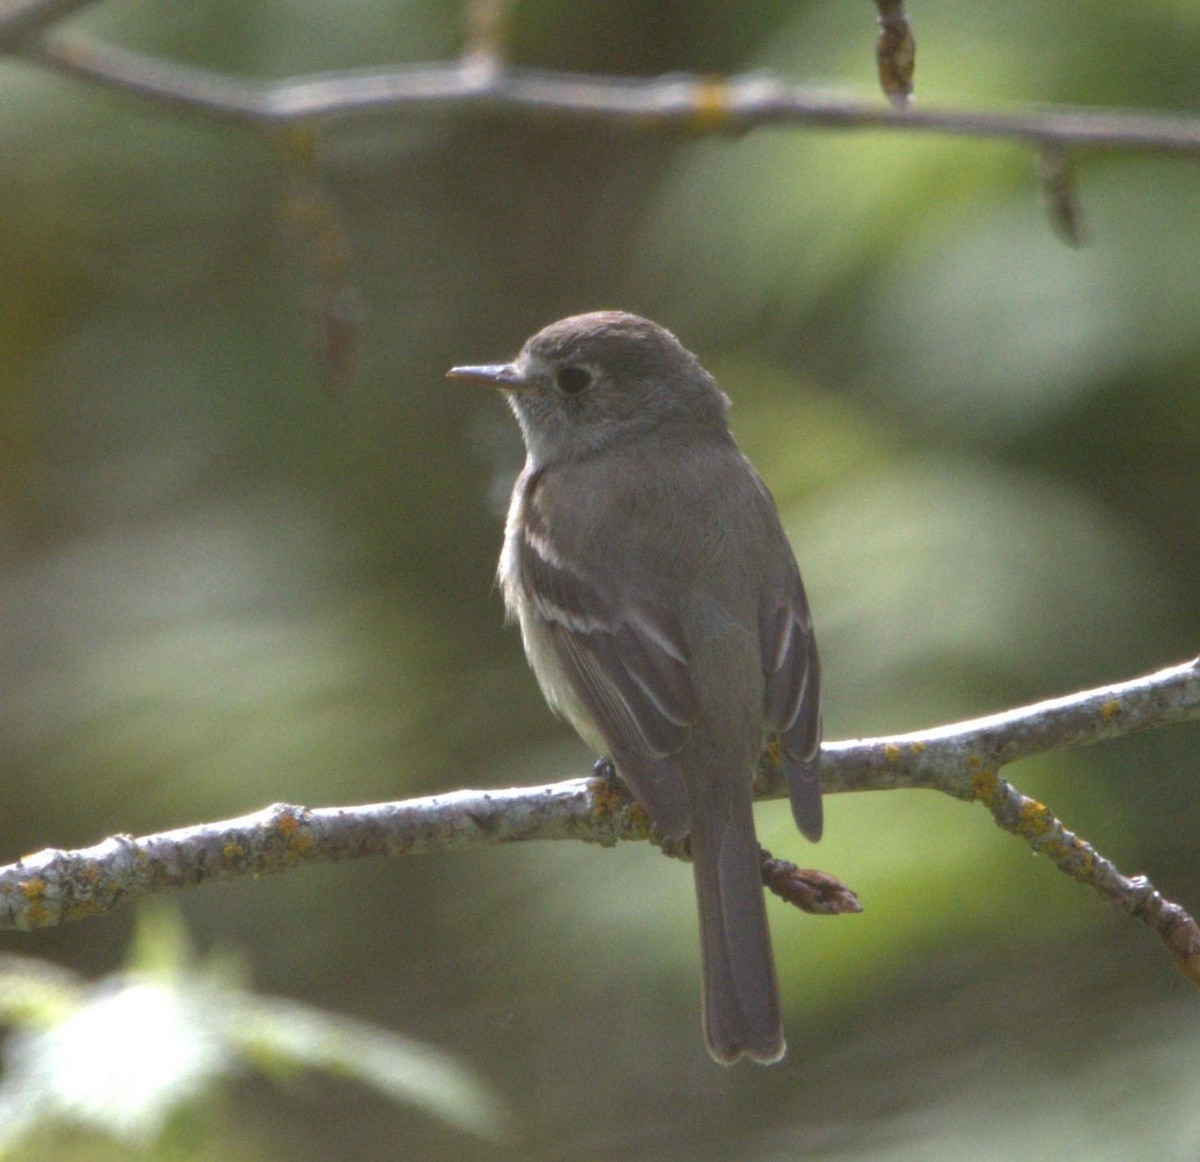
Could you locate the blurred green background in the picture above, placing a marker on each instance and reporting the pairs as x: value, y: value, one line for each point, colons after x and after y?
x: 225, y: 582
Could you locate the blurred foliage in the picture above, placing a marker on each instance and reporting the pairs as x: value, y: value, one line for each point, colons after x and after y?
x: 226, y: 581
x: 139, y: 1059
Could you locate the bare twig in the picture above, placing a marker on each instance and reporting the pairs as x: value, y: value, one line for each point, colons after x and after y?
x: 962, y: 760
x: 808, y: 889
x: 21, y: 19
x: 694, y: 104
x: 485, y: 26
x: 311, y: 212
x: 895, y: 53
x: 1057, y: 179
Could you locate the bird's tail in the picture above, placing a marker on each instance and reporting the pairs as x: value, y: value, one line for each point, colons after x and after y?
x: 741, y: 996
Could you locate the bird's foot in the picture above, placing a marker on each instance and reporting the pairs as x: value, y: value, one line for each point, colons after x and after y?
x: 604, y: 770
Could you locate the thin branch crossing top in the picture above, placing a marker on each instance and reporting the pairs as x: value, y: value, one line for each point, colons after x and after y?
x: 481, y: 81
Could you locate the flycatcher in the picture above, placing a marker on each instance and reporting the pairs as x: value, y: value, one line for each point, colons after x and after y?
x: 663, y: 614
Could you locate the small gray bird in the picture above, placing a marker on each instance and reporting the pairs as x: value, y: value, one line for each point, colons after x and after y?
x: 663, y: 614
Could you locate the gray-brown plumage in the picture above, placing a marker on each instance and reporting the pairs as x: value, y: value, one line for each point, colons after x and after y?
x: 662, y: 612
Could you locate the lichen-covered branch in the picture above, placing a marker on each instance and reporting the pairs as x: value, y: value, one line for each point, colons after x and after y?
x: 953, y: 758
x: 1036, y: 824
x: 962, y: 760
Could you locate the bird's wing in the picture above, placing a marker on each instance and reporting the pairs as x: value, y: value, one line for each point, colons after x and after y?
x: 627, y: 666
x: 793, y: 695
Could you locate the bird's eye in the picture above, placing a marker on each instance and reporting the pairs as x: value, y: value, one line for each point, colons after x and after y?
x: 573, y: 379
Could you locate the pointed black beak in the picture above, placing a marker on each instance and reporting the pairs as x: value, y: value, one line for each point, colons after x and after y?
x: 502, y: 375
